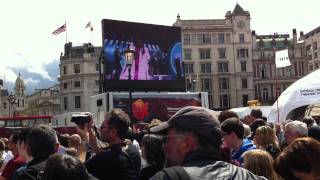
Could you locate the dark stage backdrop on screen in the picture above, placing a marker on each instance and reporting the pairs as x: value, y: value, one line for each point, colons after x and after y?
x: 157, y: 64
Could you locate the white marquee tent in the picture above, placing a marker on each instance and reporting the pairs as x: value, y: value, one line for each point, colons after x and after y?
x: 305, y: 91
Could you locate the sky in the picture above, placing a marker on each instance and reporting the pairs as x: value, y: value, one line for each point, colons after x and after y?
x: 26, y: 26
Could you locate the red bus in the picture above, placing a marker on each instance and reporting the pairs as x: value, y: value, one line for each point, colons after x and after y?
x: 11, y: 123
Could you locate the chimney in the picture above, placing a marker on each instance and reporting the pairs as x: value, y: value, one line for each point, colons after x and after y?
x: 294, y: 37
x: 301, y: 36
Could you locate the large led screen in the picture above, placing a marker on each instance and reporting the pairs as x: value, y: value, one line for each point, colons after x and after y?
x: 157, y: 62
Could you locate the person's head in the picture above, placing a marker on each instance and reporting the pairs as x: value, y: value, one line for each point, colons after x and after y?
x: 12, y: 143
x: 232, y: 132
x: 41, y: 141
x: 265, y: 136
x: 309, y: 121
x: 247, y: 130
x: 255, y: 124
x: 299, y: 160
x: 256, y: 113
x: 22, y: 144
x: 64, y: 167
x: 152, y: 150
x: 227, y: 114
x: 314, y: 132
x: 2, y: 145
x: 115, y: 126
x: 259, y: 162
x: 294, y: 130
x: 191, y: 128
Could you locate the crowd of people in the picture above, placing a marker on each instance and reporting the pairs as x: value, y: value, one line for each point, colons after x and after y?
x: 193, y: 144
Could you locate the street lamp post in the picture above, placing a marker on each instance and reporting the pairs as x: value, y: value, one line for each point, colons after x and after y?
x: 129, y: 57
x: 12, y: 101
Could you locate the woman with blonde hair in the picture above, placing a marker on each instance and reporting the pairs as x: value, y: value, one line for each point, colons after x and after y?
x: 259, y: 162
x: 265, y: 138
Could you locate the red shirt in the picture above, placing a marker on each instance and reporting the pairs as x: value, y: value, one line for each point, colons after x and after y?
x: 11, y: 166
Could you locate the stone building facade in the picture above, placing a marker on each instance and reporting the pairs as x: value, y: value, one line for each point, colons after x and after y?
x: 79, y: 77
x: 44, y: 102
x: 312, y: 47
x: 217, y: 56
x: 269, y: 81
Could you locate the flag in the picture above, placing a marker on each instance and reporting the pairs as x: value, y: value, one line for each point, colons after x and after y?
x: 60, y: 30
x: 282, y: 58
x: 88, y: 24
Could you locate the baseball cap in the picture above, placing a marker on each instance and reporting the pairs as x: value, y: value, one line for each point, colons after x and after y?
x: 198, y: 120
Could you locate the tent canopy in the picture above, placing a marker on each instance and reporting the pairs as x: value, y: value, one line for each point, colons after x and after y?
x: 305, y: 91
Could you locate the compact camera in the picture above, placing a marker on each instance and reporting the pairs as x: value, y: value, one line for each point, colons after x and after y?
x: 80, y: 118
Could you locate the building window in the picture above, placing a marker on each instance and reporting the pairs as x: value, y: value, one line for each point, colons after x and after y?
x: 222, y: 53
x: 204, y: 38
x: 65, y: 85
x: 97, y: 67
x: 228, y: 38
x: 206, y: 68
x: 77, y: 84
x: 265, y: 94
x: 76, y: 68
x: 205, y: 53
x: 22, y: 102
x: 65, y: 103
x: 77, y: 102
x: 186, y: 39
x: 187, y: 54
x: 206, y: 84
x: 241, y: 38
x: 224, y: 83
x: 242, y: 53
x: 224, y: 100
x: 314, y: 45
x: 315, y: 55
x: 245, y: 99
x: 243, y: 66
x: 221, y: 38
x: 65, y: 71
x: 311, y: 67
x: 188, y: 68
x: 223, y: 67
x: 4, y: 105
x: 308, y: 47
x: 244, y: 83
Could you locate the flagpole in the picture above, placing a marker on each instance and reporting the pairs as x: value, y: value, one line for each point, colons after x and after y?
x: 65, y: 22
x: 277, y: 96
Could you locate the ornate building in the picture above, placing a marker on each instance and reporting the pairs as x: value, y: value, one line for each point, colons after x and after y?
x: 217, y: 56
x: 269, y: 81
x: 311, y: 40
x: 4, y: 100
x: 79, y: 77
x: 18, y: 103
x: 20, y: 96
x: 44, y: 102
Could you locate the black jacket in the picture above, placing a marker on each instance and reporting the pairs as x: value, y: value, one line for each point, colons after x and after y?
x: 204, y: 166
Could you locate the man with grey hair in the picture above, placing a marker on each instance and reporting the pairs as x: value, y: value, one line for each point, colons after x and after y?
x: 294, y: 130
x: 191, y: 143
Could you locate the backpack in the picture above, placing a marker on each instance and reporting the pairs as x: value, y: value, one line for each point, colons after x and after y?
x: 33, y: 172
x: 176, y: 173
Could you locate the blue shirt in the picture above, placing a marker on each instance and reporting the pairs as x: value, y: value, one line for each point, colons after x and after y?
x: 246, y: 146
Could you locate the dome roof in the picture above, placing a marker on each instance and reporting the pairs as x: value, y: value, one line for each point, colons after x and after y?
x: 19, y: 82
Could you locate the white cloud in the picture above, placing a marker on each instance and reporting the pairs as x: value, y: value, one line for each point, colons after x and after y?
x: 31, y: 81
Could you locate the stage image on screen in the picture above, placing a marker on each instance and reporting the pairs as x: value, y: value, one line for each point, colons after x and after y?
x: 157, y: 63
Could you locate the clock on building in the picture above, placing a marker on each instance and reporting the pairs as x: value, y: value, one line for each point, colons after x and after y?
x: 241, y: 24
